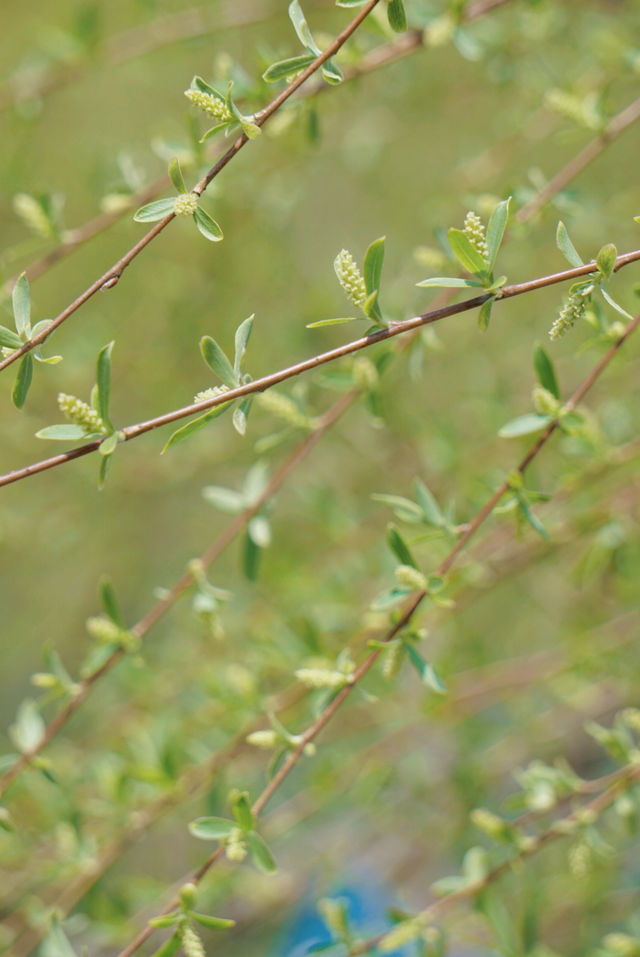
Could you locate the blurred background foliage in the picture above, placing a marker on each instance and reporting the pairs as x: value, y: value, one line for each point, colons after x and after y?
x: 542, y: 639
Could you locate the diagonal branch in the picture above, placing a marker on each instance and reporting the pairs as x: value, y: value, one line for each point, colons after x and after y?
x: 275, y: 378
x: 403, y: 620
x: 111, y: 277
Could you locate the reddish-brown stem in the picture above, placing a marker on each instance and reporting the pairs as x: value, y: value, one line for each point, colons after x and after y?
x: 266, y: 382
x: 162, y: 606
x: 403, y: 619
x: 111, y: 277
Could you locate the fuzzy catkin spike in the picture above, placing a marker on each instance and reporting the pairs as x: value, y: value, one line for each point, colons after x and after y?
x: 211, y: 105
x: 80, y: 413
x: 350, y: 277
x: 571, y: 312
x: 473, y: 229
x: 284, y: 408
x: 236, y: 848
x: 191, y: 943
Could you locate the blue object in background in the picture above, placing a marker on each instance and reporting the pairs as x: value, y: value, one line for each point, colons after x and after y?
x: 366, y: 905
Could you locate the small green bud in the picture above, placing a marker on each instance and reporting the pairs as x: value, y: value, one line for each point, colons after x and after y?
x: 44, y: 679
x: 321, y: 678
x: 365, y: 375
x: 607, y: 259
x: 285, y: 408
x: 188, y: 895
x: 544, y: 402
x: 622, y: 944
x: 185, y: 204
x: 410, y: 577
x: 266, y: 739
x: 103, y: 630
x: 490, y: 824
x: 350, y: 277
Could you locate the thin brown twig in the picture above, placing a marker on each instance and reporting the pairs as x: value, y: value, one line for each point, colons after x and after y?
x: 621, y: 122
x: 111, y: 277
x: 381, y: 56
x: 617, y: 782
x: 161, y: 607
x: 403, y: 619
x: 134, y: 43
x: 275, y: 378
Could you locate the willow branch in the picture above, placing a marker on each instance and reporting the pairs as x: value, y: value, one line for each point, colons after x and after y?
x: 137, y: 42
x: 621, y: 122
x: 410, y: 42
x: 111, y: 277
x: 403, y: 620
x: 618, y: 782
x: 161, y: 607
x: 275, y: 378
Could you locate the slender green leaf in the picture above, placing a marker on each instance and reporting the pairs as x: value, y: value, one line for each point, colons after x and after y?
x: 428, y: 504
x: 484, y: 316
x: 175, y: 175
x: 260, y: 853
x: 199, y: 84
x: 424, y: 669
x: 62, y: 433
x: 9, y: 339
x: 332, y: 322
x: 404, y: 508
x: 566, y: 247
x: 211, y: 828
x: 166, y: 920
x: 259, y: 531
x: 21, y: 299
x: 524, y: 425
x: 170, y: 947
x: 545, y: 371
x: 23, y: 381
x: 218, y: 362
x: 357, y: 3
x: 397, y: 16
x: 301, y: 27
x: 399, y: 547
x: 372, y: 266
x: 103, y: 383
x: 213, y: 923
x: 109, y: 602
x: 56, y: 943
x: 495, y: 229
x: 530, y: 517
x: 108, y: 447
x: 29, y: 727
x: 226, y: 499
x: 449, y: 282
x: 207, y: 226
x: 614, y: 305
x: 155, y: 211
x: 466, y: 254
x: 105, y: 462
x: 371, y: 308
x: 331, y: 73
x: 243, y: 334
x: 243, y: 813
x: 284, y: 69
x: 240, y: 416
x: 194, y: 426
x: 606, y: 259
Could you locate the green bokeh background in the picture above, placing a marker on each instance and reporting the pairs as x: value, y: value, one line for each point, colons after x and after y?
x: 402, y: 152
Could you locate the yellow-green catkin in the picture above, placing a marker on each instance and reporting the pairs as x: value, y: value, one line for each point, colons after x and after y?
x: 211, y: 105
x: 473, y: 228
x: 571, y: 312
x: 33, y: 215
x: 191, y: 943
x: 350, y: 277
x: 236, y: 848
x: 80, y: 413
x: 285, y: 408
x: 185, y: 204
x: 210, y: 393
